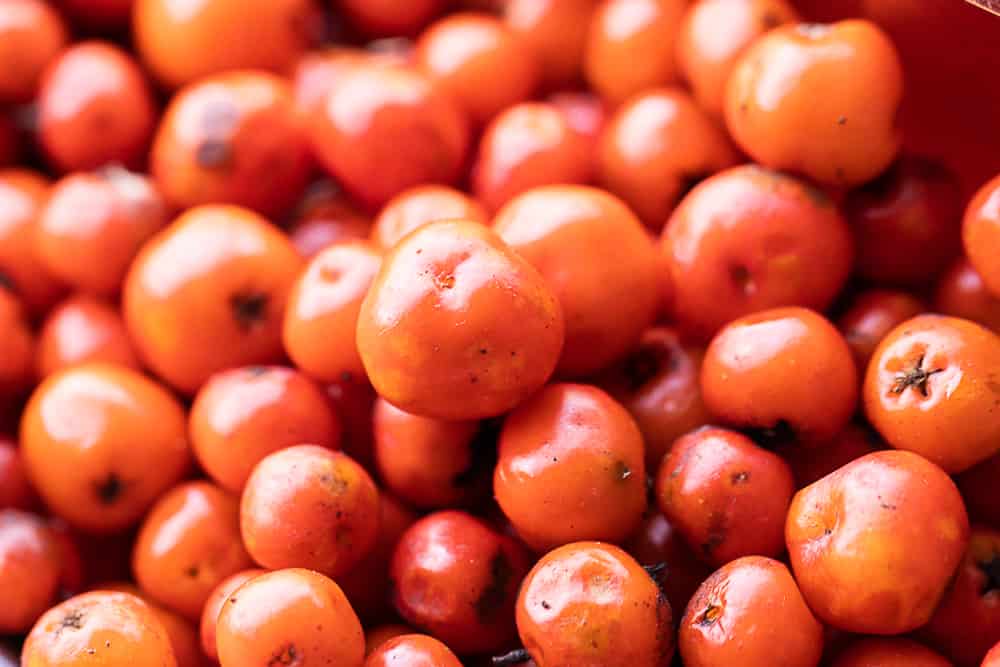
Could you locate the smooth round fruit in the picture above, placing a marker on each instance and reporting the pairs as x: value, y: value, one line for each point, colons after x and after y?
x: 188, y: 543
x: 94, y: 89
x: 859, y: 540
x: 241, y: 415
x: 94, y: 224
x: 208, y: 293
x: 233, y: 138
x: 457, y: 325
x: 931, y: 388
x: 456, y: 577
x: 743, y: 612
x: 656, y: 147
x: 420, y: 205
x: 321, y: 318
x: 307, y: 506
x: 713, y: 35
x: 820, y: 100
x: 183, y: 43
x: 99, y: 628
x: 383, y: 130
x: 786, y: 373
x: 31, y: 36
x: 29, y: 569
x: 101, y: 443
x: 289, y: 617
x: 590, y: 603
x: 463, y: 51
x: 568, y: 233
x: 747, y: 239
x: 570, y: 467
x: 727, y: 496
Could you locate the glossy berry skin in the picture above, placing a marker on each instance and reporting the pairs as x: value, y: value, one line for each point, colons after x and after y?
x: 556, y: 31
x: 22, y: 196
x: 631, y: 46
x: 978, y: 486
x: 961, y: 292
x: 311, y: 507
x: 241, y: 415
x: 590, y: 604
x: 82, y: 329
x: 462, y: 51
x: 292, y: 617
x: 31, y: 37
x: 820, y: 100
x: 414, y: 651
x: 233, y: 138
x: 888, y: 508
x: 321, y: 319
x: 188, y: 543
x: 967, y: 622
x: 528, y: 145
x: 747, y: 239
x: 94, y: 89
x: 934, y: 377
x: 15, y: 489
x: 456, y: 577
x: 906, y: 223
x: 567, y: 232
x: 888, y: 652
x: 981, y: 233
x: 367, y: 585
x: 429, y: 463
x: 100, y: 443
x: 713, y: 35
x: 208, y: 293
x: 570, y: 468
x: 457, y: 325
x: 378, y: 116
x: 213, y: 607
x: 181, y: 634
x: 182, y: 44
x: 94, y: 224
x: 743, y: 612
x: 655, y: 147
x: 871, y: 316
x: 387, y: 18
x: 29, y: 569
x: 726, y: 495
x: 99, y: 628
x: 658, y: 382
x: 420, y: 205
x: 795, y: 349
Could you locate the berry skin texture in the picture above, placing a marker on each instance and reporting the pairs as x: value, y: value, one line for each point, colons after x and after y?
x: 750, y: 613
x: 859, y: 540
x: 99, y: 628
x: 457, y: 325
x: 289, y: 617
x: 590, y: 604
x: 819, y: 100
x: 933, y: 387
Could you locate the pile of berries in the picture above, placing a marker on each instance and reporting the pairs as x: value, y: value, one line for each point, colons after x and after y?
x: 561, y: 333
